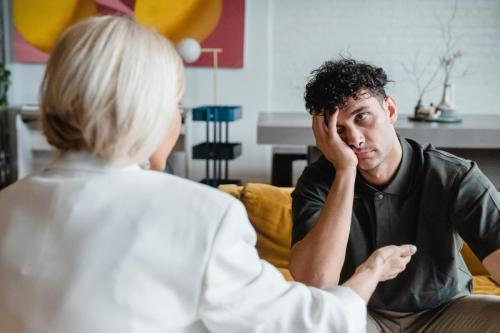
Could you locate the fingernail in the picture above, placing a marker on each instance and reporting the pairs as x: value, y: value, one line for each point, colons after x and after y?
x: 413, y: 249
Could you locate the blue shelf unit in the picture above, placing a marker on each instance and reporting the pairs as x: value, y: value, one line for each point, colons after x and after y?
x: 216, y: 149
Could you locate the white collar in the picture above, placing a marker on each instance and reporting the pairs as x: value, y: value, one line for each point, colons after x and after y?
x: 86, y: 161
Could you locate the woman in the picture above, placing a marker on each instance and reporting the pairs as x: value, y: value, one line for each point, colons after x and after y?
x: 96, y: 244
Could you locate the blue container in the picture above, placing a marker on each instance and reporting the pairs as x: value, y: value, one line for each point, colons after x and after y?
x: 217, y: 113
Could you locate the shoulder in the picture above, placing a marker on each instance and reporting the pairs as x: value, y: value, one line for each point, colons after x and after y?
x: 315, y: 180
x: 441, y: 167
x: 136, y: 191
x: 183, y: 191
x: 320, y: 171
x: 441, y: 158
x: 439, y: 162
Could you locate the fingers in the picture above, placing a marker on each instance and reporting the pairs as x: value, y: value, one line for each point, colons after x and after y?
x: 387, y: 251
x: 324, y: 123
x: 319, y: 128
x: 407, y: 250
x: 403, y: 251
x: 400, y: 264
x: 405, y: 260
x: 396, y: 266
x: 394, y: 259
x: 331, y: 120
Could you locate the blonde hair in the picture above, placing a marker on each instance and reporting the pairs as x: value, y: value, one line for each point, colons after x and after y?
x: 111, y: 88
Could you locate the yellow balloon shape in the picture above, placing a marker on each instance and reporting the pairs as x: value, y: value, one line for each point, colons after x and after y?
x: 178, y: 19
x: 41, y: 22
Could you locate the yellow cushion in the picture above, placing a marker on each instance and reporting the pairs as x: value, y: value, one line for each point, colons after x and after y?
x: 232, y: 189
x: 475, y: 266
x: 269, y: 211
x: 484, y: 285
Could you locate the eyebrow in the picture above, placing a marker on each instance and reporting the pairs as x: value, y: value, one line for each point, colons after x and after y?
x: 358, y: 110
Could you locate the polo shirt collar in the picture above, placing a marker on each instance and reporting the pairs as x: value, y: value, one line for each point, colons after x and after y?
x: 401, y: 181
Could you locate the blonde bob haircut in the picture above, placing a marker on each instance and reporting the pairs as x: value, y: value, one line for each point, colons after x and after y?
x: 111, y: 88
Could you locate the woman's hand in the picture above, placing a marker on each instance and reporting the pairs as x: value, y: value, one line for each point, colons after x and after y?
x: 388, y: 261
x: 383, y: 264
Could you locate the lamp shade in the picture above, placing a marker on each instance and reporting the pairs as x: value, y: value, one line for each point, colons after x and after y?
x: 189, y: 50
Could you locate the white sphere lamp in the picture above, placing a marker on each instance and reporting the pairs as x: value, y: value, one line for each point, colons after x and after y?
x: 189, y: 49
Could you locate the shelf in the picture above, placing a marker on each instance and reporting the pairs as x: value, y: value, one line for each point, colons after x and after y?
x: 217, y: 151
x: 218, y: 113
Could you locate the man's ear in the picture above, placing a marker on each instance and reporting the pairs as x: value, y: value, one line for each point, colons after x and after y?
x: 392, y: 109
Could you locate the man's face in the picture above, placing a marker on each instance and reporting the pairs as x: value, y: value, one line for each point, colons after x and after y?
x: 366, y: 125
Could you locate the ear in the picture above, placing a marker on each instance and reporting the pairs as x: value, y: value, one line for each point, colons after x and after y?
x: 392, y: 109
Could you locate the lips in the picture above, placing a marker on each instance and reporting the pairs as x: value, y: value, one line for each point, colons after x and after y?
x: 365, y: 153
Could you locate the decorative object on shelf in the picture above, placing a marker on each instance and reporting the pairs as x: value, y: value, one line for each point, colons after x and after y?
x: 448, y: 61
x: 444, y: 112
x: 444, y: 107
x: 218, y: 150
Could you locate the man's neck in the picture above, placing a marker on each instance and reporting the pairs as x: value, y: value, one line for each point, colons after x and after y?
x: 383, y: 174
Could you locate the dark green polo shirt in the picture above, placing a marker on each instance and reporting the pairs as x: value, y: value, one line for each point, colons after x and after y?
x: 435, y: 201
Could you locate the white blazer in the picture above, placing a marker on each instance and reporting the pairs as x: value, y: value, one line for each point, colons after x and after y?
x: 87, y: 248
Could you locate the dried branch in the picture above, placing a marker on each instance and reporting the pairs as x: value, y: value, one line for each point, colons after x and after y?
x: 447, y: 61
x: 417, y: 74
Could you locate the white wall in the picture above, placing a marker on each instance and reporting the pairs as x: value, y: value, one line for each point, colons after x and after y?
x: 286, y: 39
x: 388, y: 33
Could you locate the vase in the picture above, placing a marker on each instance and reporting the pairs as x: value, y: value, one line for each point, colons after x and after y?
x: 444, y: 107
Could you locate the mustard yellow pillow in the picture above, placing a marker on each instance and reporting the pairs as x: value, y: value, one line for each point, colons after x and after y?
x: 485, y: 285
x: 231, y: 189
x: 269, y: 211
x: 475, y: 266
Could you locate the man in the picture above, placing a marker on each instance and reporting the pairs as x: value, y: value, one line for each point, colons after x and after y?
x: 372, y: 188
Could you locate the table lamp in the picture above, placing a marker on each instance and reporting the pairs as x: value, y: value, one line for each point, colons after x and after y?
x: 190, y: 51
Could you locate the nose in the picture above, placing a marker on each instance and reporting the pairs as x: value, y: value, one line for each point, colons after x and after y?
x: 354, y: 137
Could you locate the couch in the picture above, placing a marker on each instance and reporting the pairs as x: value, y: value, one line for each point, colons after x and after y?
x: 269, y: 211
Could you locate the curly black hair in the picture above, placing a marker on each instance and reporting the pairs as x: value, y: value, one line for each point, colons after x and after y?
x: 331, y: 85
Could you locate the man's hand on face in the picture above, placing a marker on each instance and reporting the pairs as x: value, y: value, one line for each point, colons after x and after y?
x: 330, y: 143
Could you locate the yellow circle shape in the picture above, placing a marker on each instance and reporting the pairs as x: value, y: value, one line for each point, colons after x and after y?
x: 179, y: 19
x: 41, y: 22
